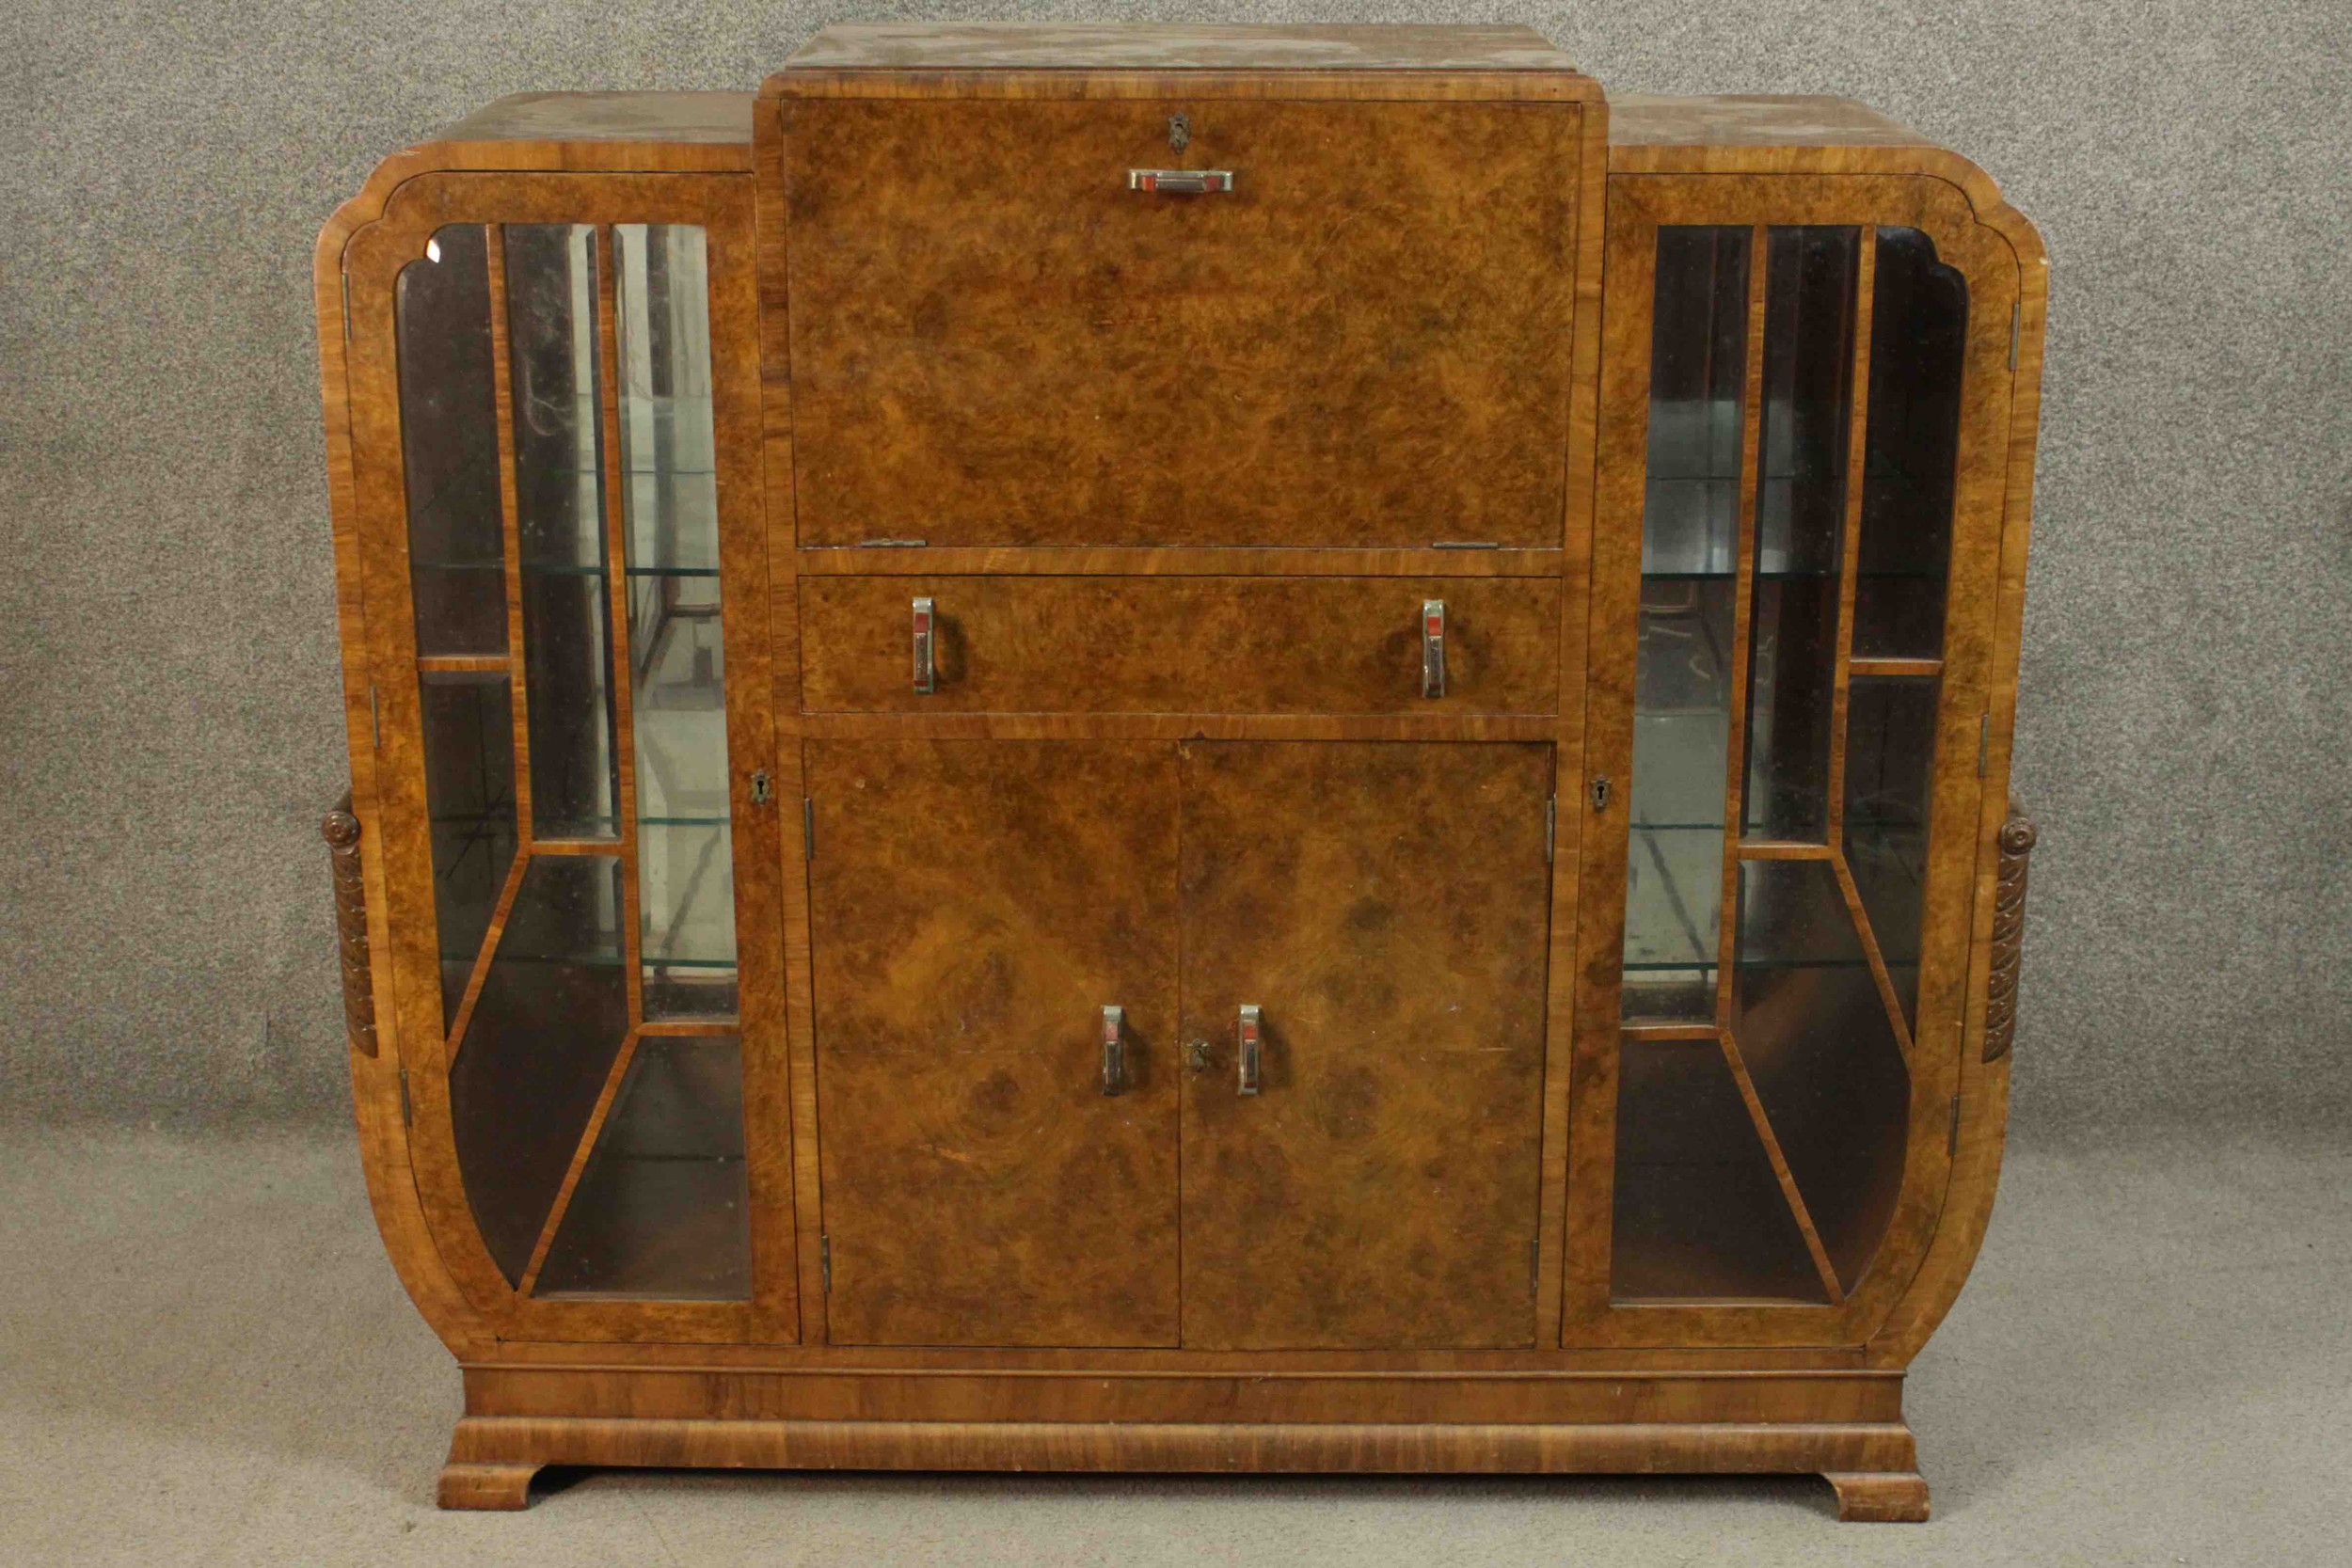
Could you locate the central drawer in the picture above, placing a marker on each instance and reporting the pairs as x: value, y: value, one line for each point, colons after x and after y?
x: 1179, y: 321
x: 1115, y: 644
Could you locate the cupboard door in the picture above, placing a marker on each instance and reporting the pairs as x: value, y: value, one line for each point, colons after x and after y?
x: 545, y: 394
x: 977, y: 906
x: 1808, y: 401
x: 1384, y: 907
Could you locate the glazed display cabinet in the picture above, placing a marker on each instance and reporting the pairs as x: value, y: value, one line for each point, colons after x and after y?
x: 1181, y: 748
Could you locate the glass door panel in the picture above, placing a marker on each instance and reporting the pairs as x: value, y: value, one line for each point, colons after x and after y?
x: 685, y: 852
x: 557, y: 398
x: 559, y: 495
x: 1786, y: 698
x: 448, y: 423
x: 1682, y: 677
x: 1919, y: 325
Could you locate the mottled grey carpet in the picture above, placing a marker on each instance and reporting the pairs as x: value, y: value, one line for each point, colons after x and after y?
x: 205, y: 1359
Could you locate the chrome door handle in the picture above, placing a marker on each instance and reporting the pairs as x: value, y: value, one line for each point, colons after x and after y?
x: 1433, y: 647
x: 1251, y: 1029
x: 1114, y: 1050
x: 1181, y: 181
x: 926, y: 673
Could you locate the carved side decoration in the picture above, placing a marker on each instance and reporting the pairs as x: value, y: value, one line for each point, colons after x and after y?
x: 2009, y: 930
x: 341, y: 831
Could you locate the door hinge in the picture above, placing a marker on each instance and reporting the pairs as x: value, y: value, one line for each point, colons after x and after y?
x: 346, y: 308
x: 376, y: 717
x: 824, y: 1259
x: 1551, y: 828
x: 763, y: 790
x: 809, y: 829
x: 893, y: 544
x: 1984, y: 741
x: 2016, y: 314
x: 407, y: 1111
x: 1534, y: 1263
x: 1951, y: 1138
x: 1464, y: 545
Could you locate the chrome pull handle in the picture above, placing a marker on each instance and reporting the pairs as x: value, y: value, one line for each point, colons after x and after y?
x: 1114, y: 1050
x: 926, y: 672
x: 1181, y: 181
x: 1433, y: 647
x: 1251, y: 1031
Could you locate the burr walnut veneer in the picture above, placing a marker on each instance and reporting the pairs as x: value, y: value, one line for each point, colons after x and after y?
x: 1181, y: 748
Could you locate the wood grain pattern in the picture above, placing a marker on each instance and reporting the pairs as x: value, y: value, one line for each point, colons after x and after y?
x: 973, y: 909
x: 1360, y: 1447
x: 1316, y: 646
x: 782, y: 623
x: 1386, y: 905
x: 492, y: 1459
x: 994, y: 342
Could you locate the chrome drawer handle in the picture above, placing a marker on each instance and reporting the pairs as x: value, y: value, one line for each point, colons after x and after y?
x: 926, y: 680
x: 1252, y: 1048
x: 1181, y: 181
x: 1433, y: 647
x: 1114, y: 1050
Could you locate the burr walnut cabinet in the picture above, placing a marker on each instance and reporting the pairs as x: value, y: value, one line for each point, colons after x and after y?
x: 1181, y: 748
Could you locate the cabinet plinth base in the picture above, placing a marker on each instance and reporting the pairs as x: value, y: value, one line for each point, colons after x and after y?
x: 492, y: 1458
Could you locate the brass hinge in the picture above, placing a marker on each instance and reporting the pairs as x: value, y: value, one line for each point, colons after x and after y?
x: 1535, y: 1264
x: 809, y: 829
x: 346, y: 308
x: 407, y: 1111
x: 1551, y: 826
x: 376, y: 717
x: 824, y: 1259
x: 1984, y: 741
x: 1951, y: 1139
x: 2016, y: 313
x: 893, y: 544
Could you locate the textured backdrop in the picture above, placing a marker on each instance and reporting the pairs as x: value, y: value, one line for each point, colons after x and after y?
x: 168, y: 723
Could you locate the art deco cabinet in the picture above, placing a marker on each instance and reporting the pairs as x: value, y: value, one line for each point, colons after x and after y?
x: 1181, y: 748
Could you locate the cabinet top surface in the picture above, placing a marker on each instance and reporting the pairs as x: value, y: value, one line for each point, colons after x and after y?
x: 1091, y: 46
x: 720, y: 118
x: 1658, y: 120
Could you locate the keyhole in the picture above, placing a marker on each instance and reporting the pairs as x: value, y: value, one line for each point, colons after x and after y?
x: 1180, y: 131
